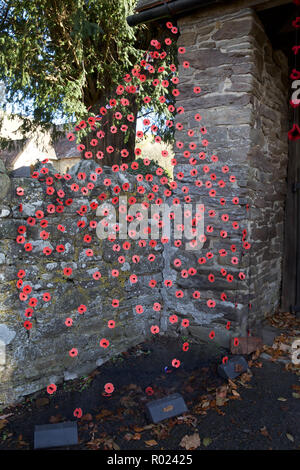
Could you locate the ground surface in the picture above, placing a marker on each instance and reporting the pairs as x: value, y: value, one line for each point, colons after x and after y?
x: 261, y: 411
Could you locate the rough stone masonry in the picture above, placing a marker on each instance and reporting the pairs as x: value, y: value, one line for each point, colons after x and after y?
x: 39, y: 356
x: 244, y: 108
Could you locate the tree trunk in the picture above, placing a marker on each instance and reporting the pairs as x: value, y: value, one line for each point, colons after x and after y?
x: 117, y: 140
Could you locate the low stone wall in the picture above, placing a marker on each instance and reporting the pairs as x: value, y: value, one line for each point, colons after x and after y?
x: 40, y: 356
x: 243, y: 104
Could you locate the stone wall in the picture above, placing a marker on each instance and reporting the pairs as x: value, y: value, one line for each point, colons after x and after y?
x: 40, y: 356
x: 244, y: 106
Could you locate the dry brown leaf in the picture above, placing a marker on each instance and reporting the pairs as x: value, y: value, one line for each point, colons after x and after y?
x: 55, y: 419
x: 87, y: 417
x: 190, y: 442
x: 265, y: 432
x: 232, y: 384
x: 3, y: 423
x: 103, y: 414
x: 151, y: 443
x: 138, y: 429
x: 6, y: 416
x: 221, y: 394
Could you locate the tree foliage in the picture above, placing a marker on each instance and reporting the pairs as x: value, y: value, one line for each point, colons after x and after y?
x: 64, y: 59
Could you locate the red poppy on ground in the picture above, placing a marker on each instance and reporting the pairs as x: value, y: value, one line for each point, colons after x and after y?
x: 60, y: 248
x: 211, y: 303
x: 28, y: 247
x: 185, y: 346
x: 185, y: 323
x: 236, y: 342
x: 175, y: 363
x: 115, y: 303
x: 109, y: 388
x: 77, y: 413
x: 47, y: 250
x: 156, y: 306
x: 89, y: 252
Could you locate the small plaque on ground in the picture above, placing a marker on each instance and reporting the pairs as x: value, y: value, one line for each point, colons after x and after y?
x: 167, y: 407
x: 233, y: 368
x: 55, y: 435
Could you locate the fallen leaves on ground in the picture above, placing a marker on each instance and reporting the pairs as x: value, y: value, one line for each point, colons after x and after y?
x: 3, y: 423
x: 207, y: 441
x: 190, y: 442
x: 6, y: 416
x: 56, y: 419
x: 41, y: 402
x: 265, y: 432
x: 151, y: 443
x: 221, y: 395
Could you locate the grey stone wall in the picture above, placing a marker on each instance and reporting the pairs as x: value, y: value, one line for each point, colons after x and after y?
x: 40, y: 356
x: 243, y: 105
